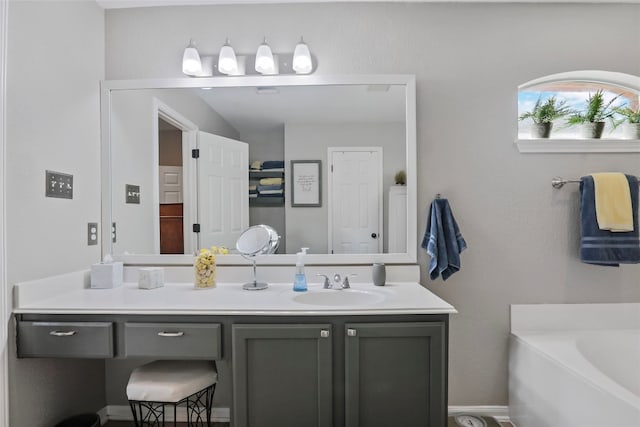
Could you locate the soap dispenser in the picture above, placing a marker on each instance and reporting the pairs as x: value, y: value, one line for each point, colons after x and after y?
x: 300, y: 282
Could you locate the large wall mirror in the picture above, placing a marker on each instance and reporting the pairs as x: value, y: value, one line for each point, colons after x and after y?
x: 191, y: 163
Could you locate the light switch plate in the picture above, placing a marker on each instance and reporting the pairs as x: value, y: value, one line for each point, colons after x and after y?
x: 59, y: 185
x: 92, y: 233
x: 133, y: 194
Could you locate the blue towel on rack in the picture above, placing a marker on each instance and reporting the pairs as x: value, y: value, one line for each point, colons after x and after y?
x: 443, y: 240
x: 604, y: 247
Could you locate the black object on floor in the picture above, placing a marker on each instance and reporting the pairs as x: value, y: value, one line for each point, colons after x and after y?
x: 82, y: 420
x: 469, y: 420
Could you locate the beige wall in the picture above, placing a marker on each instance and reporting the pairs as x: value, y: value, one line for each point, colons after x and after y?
x: 55, y: 63
x: 468, y: 60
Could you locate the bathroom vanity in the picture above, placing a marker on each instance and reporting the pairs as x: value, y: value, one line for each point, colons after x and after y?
x: 374, y: 356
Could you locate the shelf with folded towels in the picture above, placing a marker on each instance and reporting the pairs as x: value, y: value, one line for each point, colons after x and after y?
x: 266, y: 187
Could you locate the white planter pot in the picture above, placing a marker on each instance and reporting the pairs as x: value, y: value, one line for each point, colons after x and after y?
x: 631, y: 130
x: 591, y: 130
x: 541, y: 130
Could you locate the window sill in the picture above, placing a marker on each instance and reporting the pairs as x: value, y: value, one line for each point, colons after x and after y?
x: 551, y: 145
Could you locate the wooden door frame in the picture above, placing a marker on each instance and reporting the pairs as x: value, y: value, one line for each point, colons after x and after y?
x: 189, y: 130
x: 330, y: 190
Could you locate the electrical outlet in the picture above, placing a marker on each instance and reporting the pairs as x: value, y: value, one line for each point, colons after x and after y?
x: 92, y: 233
x: 113, y: 232
x: 133, y: 194
x: 59, y: 185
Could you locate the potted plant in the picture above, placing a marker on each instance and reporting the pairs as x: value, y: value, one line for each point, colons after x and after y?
x: 543, y: 114
x: 591, y: 121
x: 630, y: 122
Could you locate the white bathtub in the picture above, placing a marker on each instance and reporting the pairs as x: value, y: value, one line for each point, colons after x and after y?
x: 575, y: 365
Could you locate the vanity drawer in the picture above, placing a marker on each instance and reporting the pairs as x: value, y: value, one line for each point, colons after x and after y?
x: 65, y: 339
x: 173, y: 340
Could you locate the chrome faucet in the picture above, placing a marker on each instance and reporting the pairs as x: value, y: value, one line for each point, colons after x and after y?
x: 338, y: 282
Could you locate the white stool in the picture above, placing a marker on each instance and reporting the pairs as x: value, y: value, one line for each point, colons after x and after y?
x: 172, y: 382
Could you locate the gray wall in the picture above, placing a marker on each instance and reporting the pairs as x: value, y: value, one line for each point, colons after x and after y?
x: 468, y: 60
x: 132, y: 125
x: 55, y: 62
x: 310, y: 142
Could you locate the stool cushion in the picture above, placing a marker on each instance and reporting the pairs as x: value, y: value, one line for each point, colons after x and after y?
x: 170, y: 380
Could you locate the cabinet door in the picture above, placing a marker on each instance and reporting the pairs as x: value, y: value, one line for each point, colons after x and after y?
x: 395, y: 374
x: 282, y: 375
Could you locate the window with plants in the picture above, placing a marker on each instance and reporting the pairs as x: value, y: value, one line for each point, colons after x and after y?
x: 578, y: 110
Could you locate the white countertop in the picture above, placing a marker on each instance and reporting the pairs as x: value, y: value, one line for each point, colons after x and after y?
x: 61, y: 297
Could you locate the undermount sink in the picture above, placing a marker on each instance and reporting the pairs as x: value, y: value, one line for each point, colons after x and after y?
x: 339, y: 297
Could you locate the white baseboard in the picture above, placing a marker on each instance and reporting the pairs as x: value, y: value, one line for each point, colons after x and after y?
x: 123, y: 413
x: 500, y: 413
x: 223, y: 415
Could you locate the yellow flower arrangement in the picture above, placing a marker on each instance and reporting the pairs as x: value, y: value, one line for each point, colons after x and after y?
x: 205, y: 266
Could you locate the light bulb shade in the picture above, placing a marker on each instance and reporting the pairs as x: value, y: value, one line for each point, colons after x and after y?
x: 264, y: 60
x: 302, y: 63
x: 191, y: 64
x: 227, y: 62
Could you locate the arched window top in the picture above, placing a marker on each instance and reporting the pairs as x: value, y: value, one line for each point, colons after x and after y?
x: 571, y: 92
x: 620, y: 80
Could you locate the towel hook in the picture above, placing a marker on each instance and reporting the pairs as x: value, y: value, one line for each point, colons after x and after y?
x: 438, y: 196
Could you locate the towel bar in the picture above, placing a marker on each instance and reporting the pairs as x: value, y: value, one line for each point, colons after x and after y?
x: 559, y: 182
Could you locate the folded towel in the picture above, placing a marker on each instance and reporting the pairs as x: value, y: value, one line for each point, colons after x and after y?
x: 271, y: 181
x: 261, y: 195
x: 280, y: 192
x: 272, y: 164
x: 263, y: 188
x: 443, y: 240
x: 604, y: 247
x: 613, y: 201
x: 253, y: 195
x: 253, y: 188
x: 256, y: 165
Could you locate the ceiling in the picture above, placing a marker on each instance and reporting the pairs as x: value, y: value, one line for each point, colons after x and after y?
x: 254, y: 109
x: 117, y: 4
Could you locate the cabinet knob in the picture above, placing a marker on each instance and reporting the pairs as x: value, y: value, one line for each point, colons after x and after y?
x: 352, y: 332
x: 324, y: 333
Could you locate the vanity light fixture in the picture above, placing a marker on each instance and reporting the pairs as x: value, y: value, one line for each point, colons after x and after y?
x: 191, y: 63
x: 265, y: 63
x: 227, y: 62
x: 302, y: 63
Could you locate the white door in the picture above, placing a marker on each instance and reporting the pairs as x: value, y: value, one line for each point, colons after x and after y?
x: 170, y: 184
x: 223, y: 190
x: 355, y: 192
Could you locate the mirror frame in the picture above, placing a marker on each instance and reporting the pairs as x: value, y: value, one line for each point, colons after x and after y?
x: 107, y: 87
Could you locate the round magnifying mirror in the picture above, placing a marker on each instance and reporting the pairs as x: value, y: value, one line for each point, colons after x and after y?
x: 257, y: 240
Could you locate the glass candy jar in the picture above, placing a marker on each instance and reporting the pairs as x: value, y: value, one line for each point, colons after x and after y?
x: 205, y: 269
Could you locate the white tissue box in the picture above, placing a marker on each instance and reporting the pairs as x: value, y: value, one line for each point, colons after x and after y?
x: 150, y: 277
x: 106, y: 275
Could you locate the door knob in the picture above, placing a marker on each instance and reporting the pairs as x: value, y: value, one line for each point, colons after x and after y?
x: 374, y: 235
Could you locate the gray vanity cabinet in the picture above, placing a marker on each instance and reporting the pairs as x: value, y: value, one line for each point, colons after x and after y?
x: 394, y: 374
x: 282, y: 375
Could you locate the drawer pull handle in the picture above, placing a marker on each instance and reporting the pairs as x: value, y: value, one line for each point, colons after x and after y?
x: 170, y: 334
x: 62, y: 333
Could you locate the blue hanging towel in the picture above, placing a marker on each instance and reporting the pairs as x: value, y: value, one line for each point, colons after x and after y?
x: 443, y: 240
x: 604, y: 247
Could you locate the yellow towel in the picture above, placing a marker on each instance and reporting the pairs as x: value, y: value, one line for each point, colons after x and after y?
x: 256, y: 165
x: 271, y: 181
x: 613, y: 201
